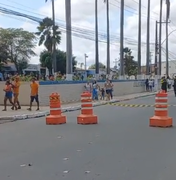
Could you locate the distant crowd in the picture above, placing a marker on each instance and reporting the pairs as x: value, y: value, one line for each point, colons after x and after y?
x: 100, y: 92
x: 166, y: 83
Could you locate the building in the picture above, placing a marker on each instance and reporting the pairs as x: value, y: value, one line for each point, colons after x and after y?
x: 172, y: 68
x: 152, y: 69
x: 10, y: 68
x: 36, y: 69
x: 91, y: 72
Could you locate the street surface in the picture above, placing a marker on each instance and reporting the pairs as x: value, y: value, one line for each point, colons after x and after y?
x: 121, y: 147
x: 24, y: 110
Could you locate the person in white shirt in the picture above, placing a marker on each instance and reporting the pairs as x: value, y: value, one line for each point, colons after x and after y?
x: 150, y: 84
x: 169, y: 82
x: 88, y: 87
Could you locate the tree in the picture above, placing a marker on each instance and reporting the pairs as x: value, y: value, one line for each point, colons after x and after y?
x: 101, y: 66
x: 45, y: 33
x: 3, y: 53
x: 130, y: 65
x: 46, y: 61
x: 22, y: 64
x: 19, y: 46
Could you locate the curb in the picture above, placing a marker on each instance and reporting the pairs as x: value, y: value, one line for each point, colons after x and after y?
x: 66, y: 109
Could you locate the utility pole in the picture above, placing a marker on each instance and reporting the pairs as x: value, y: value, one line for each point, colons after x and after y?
x: 69, y: 40
x: 96, y: 41
x: 108, y: 40
x: 139, y: 40
x: 121, y: 38
x: 156, y: 49
x: 160, y: 37
x: 167, y: 48
x: 148, y: 39
x: 150, y: 63
x: 54, y: 40
x: 85, y: 59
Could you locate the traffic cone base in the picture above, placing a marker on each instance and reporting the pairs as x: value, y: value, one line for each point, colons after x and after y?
x: 55, y: 120
x: 87, y: 119
x: 56, y: 117
x: 161, y: 121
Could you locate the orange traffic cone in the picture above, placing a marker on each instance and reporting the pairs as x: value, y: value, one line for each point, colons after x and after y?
x: 161, y: 118
x: 87, y: 116
x: 55, y: 116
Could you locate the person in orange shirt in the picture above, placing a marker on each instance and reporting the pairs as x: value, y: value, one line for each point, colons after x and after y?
x: 34, y: 94
x: 16, y: 90
x: 8, y: 95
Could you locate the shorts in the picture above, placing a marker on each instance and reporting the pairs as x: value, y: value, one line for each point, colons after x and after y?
x: 34, y: 98
x: 8, y: 95
x: 16, y: 95
x: 108, y: 91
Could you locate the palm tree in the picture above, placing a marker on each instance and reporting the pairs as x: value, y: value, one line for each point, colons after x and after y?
x: 50, y: 40
x: 45, y: 34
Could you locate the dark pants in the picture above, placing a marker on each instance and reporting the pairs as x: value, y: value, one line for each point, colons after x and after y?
x: 34, y: 98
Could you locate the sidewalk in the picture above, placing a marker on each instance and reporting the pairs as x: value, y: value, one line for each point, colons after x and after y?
x: 10, y: 115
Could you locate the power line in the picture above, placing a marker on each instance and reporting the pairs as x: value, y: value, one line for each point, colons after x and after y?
x: 88, y: 34
x: 85, y: 33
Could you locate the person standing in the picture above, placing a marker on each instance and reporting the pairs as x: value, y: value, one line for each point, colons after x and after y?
x: 147, y: 84
x: 16, y: 90
x: 95, y: 88
x: 8, y: 95
x: 164, y: 84
x: 150, y: 85
x: 169, y: 82
x: 174, y: 86
x: 111, y: 91
x: 88, y: 87
x: 108, y: 87
x: 34, y: 94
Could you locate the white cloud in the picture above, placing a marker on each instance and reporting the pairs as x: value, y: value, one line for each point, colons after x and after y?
x: 83, y: 16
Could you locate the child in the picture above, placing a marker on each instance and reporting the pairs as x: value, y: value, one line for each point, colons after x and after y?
x: 95, y: 91
x: 8, y: 95
x: 102, y: 96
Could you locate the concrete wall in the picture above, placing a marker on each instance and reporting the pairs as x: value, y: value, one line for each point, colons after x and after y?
x: 70, y: 91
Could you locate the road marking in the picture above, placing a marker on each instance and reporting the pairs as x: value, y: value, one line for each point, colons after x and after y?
x: 136, y: 105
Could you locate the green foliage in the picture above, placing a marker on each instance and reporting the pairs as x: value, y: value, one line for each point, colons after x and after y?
x: 130, y: 65
x: 45, y: 34
x: 22, y: 64
x: 3, y: 53
x: 46, y: 61
x: 17, y: 46
x: 101, y: 66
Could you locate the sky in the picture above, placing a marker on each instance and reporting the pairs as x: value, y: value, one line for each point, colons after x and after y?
x: 83, y: 17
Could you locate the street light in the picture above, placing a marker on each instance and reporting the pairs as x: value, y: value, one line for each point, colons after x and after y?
x: 168, y: 36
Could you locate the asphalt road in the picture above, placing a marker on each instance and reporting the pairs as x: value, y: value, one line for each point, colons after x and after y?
x: 150, y: 100
x: 121, y: 147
